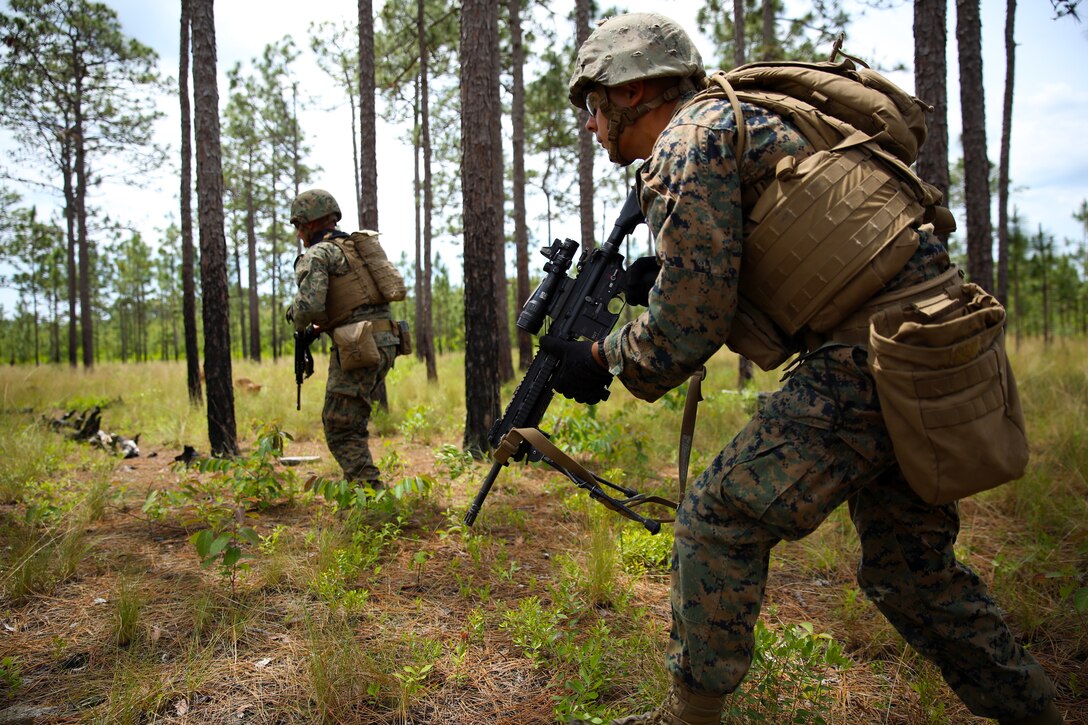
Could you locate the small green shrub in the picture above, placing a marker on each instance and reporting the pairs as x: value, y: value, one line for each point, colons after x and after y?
x: 788, y: 682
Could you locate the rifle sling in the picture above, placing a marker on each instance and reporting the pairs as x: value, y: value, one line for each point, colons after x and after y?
x: 579, y: 474
x: 687, y: 426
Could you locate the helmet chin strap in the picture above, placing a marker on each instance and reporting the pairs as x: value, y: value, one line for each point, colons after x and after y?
x: 620, y: 118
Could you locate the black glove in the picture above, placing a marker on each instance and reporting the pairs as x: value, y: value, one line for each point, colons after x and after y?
x: 579, y: 376
x: 641, y: 276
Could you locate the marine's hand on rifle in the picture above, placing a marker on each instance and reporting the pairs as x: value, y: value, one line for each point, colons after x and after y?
x: 641, y: 277
x: 579, y: 377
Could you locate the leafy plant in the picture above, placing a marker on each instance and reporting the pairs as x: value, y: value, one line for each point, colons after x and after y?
x: 255, y: 479
x: 641, y: 551
x: 225, y: 548
x: 453, y: 460
x: 11, y: 676
x: 533, y: 628
x: 788, y: 680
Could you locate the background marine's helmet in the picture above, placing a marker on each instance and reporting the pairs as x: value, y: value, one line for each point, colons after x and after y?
x: 635, y: 46
x: 313, y: 204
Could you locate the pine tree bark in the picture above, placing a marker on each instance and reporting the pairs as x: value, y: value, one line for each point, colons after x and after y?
x: 481, y: 168
x: 222, y: 432
x: 188, y: 256
x: 521, y: 229
x: 368, y: 159
x: 426, y: 312
x: 1003, y: 164
x: 586, y: 144
x: 930, y: 74
x: 980, y: 258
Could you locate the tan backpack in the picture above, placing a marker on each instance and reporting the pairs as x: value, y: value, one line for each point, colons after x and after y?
x: 831, y: 229
x: 827, y: 235
x: 378, y: 273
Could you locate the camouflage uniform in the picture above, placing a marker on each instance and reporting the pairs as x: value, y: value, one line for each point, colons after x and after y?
x: 348, y: 394
x: 818, y: 442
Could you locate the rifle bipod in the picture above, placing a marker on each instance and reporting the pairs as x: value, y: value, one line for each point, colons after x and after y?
x: 530, y: 441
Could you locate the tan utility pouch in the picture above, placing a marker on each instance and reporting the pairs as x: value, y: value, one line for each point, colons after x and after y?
x: 948, y: 394
x: 356, y: 345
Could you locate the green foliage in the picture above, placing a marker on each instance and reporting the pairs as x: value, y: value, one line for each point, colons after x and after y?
x: 35, y: 561
x: 642, y: 551
x: 789, y: 680
x: 581, y: 691
x: 453, y: 460
x: 533, y: 628
x: 11, y: 677
x: 225, y: 548
x: 416, y: 424
x: 127, y: 604
x: 357, y: 500
x: 342, y: 566
x: 255, y: 479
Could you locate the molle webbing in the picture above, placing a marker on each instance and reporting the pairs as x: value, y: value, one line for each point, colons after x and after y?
x: 366, y: 282
x: 830, y: 230
x: 827, y: 237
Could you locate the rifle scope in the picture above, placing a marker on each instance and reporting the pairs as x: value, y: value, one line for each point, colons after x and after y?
x: 560, y: 255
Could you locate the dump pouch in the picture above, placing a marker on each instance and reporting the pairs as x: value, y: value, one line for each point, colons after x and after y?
x: 356, y: 345
x: 948, y: 394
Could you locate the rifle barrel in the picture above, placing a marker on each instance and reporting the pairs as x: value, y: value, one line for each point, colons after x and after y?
x: 485, y: 488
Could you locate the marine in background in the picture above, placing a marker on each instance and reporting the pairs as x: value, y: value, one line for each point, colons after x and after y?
x: 345, y: 285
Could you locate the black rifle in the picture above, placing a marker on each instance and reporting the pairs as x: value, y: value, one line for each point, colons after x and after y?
x: 304, y: 360
x: 579, y: 307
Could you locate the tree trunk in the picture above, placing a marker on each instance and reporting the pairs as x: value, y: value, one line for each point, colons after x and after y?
x: 980, y: 257
x: 738, y: 33
x: 425, y: 320
x: 521, y: 229
x: 222, y: 433
x: 1003, y: 164
x: 86, y: 309
x: 586, y: 143
x: 481, y: 156
x: 241, y: 302
x: 188, y: 283
x: 251, y: 256
x: 769, y: 51
x: 930, y: 75
x: 368, y: 164
x: 73, y: 274
x: 418, y: 209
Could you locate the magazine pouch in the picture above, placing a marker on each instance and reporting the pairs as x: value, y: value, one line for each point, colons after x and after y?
x: 356, y: 345
x: 948, y: 394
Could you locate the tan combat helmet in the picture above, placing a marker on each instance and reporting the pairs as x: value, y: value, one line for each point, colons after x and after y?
x: 313, y: 204
x: 631, y: 47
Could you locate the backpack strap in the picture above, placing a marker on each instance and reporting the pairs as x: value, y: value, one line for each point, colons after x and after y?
x: 740, y: 144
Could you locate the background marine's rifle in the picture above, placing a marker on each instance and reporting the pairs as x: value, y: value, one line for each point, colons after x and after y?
x: 304, y: 360
x: 579, y: 307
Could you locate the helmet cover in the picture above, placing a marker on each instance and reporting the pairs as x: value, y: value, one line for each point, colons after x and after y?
x: 635, y: 46
x: 313, y: 204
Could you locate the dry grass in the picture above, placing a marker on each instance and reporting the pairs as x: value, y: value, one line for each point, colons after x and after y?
x: 139, y: 632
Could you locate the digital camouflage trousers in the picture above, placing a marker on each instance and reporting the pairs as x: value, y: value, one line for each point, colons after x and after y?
x: 349, y: 396
x: 817, y: 443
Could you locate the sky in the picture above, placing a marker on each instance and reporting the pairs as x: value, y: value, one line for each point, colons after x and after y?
x: 1049, y: 161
